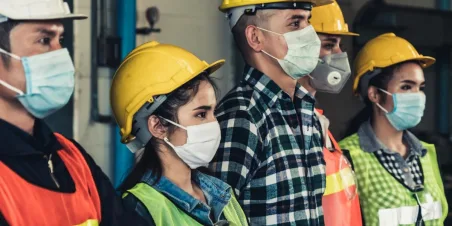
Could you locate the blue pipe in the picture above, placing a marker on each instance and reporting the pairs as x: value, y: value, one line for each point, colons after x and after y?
x: 126, y: 16
x: 443, y: 60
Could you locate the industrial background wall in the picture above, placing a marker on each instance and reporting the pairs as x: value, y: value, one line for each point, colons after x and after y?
x: 198, y: 26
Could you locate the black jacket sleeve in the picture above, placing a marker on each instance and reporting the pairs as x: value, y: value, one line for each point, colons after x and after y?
x: 3, y: 220
x: 112, y: 210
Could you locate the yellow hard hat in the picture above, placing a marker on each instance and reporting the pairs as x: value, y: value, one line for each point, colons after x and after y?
x: 384, y: 51
x: 328, y: 19
x: 228, y: 4
x: 150, y: 70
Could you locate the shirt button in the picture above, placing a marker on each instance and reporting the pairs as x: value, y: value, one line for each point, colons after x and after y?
x: 406, y: 170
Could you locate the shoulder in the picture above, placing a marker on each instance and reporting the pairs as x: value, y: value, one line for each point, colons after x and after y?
x: 350, y: 141
x: 133, y: 205
x: 242, y: 100
x: 239, y: 98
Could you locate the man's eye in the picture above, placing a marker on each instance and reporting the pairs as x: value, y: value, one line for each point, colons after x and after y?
x: 45, y: 41
x: 328, y: 46
x: 295, y: 24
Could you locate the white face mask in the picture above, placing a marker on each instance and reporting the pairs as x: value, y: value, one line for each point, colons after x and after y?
x: 202, y: 143
x: 302, y: 54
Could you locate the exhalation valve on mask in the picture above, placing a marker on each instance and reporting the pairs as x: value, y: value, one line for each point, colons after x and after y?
x: 331, y: 73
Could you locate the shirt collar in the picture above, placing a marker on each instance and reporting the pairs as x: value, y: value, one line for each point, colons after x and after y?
x: 16, y: 142
x: 267, y: 88
x: 217, y: 192
x: 261, y: 83
x: 370, y: 143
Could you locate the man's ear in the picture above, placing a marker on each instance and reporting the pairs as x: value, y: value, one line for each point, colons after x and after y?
x: 254, y: 38
x: 156, y: 128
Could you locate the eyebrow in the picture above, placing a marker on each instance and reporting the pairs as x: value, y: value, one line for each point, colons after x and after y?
x: 333, y: 40
x: 48, y: 32
x: 299, y: 17
x: 205, y: 107
x: 412, y: 82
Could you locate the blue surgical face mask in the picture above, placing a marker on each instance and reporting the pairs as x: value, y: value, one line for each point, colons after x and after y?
x: 408, y: 109
x: 49, y: 82
x: 302, y: 54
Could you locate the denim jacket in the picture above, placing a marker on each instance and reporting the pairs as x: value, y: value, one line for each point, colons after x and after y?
x: 216, y: 192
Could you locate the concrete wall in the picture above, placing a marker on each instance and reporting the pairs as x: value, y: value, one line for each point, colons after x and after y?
x: 94, y: 137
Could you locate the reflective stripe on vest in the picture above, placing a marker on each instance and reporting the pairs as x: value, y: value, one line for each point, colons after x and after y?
x: 337, y: 182
x: 90, y: 223
x: 408, y: 214
x: 386, y: 201
x: 23, y: 203
x: 165, y: 212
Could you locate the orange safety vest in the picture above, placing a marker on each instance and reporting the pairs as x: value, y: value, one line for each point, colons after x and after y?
x: 340, y: 201
x: 23, y: 203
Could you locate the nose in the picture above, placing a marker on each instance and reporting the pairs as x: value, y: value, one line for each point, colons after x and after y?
x: 56, y: 44
x: 337, y: 50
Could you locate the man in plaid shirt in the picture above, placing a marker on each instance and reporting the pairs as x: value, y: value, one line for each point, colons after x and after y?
x: 271, y: 147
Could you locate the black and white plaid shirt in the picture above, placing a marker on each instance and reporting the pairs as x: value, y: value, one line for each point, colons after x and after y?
x: 407, y: 171
x: 271, y: 152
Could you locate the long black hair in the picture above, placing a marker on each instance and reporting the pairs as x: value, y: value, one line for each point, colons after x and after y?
x: 380, y: 81
x: 149, y: 159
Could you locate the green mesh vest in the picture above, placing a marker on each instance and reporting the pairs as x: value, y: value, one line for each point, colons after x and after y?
x: 166, y: 213
x: 385, y: 201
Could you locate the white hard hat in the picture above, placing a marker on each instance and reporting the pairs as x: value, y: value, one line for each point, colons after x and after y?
x: 36, y: 10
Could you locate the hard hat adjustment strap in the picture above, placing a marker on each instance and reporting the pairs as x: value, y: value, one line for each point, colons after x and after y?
x: 284, y: 5
x: 365, y: 79
x: 140, y: 119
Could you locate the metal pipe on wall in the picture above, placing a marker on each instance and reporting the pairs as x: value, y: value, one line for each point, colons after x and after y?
x: 126, y: 14
x: 443, y: 61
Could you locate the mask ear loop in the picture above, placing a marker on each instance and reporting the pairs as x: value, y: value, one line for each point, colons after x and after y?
x: 10, y: 54
x: 166, y: 138
x: 14, y: 89
x: 378, y: 105
x: 272, y: 32
x: 180, y: 126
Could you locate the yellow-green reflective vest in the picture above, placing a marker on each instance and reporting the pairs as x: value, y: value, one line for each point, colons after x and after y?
x: 385, y: 201
x: 164, y: 212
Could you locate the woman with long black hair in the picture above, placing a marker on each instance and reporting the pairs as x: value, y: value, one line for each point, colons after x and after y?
x: 399, y: 182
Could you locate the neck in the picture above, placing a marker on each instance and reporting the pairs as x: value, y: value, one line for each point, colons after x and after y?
x: 14, y: 113
x: 386, y: 133
x: 305, y: 82
x: 269, y: 67
x: 176, y: 170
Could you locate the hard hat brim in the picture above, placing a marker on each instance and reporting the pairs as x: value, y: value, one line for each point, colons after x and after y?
x: 213, y: 67
x: 48, y: 17
x: 338, y: 33
x: 426, y: 61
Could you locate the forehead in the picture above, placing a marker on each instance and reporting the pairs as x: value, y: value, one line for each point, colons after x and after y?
x: 409, y: 71
x: 39, y: 26
x: 287, y: 14
x: 205, y: 94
